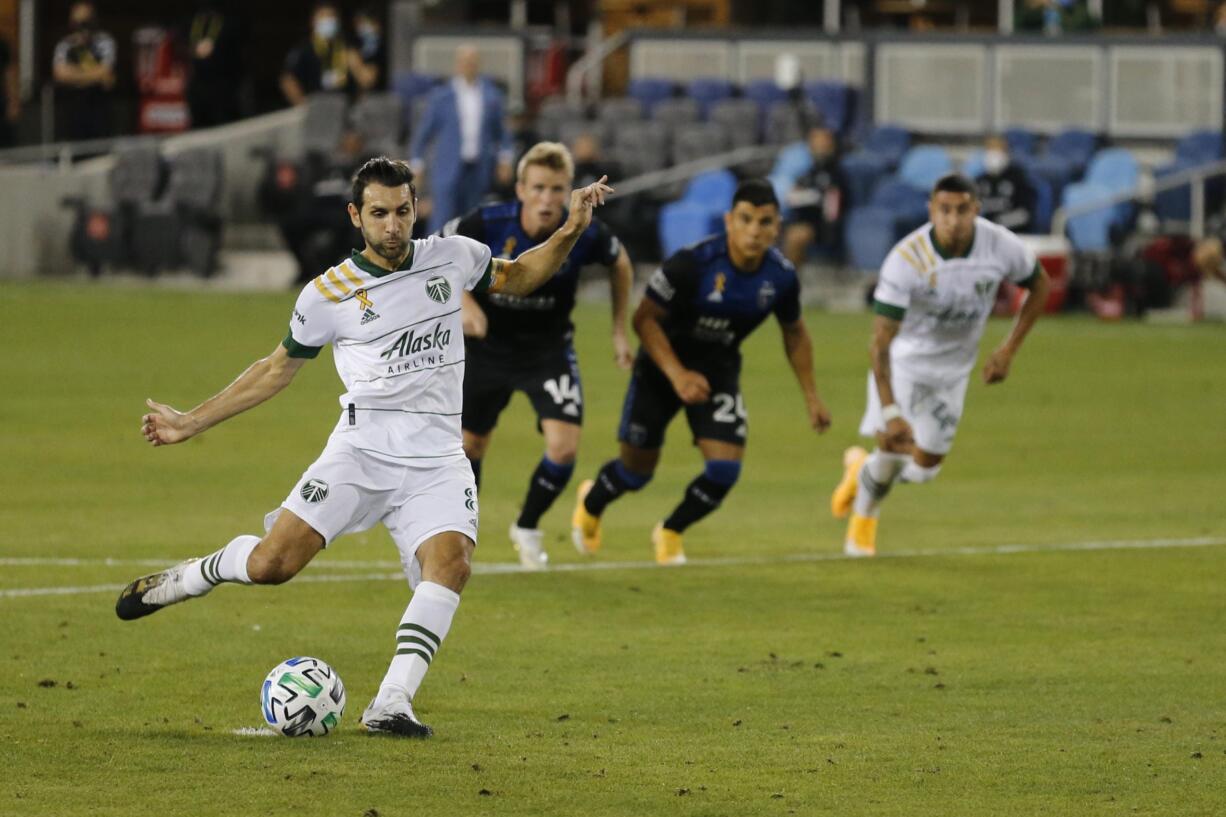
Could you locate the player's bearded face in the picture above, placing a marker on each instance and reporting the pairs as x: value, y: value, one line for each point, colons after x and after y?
x: 752, y: 230
x: 953, y: 218
x: 386, y: 220
x: 543, y: 193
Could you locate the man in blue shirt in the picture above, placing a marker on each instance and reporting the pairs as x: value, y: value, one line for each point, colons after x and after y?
x: 698, y: 308
x: 524, y: 343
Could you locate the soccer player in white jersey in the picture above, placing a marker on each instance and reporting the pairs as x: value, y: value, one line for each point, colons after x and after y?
x: 935, y: 292
x: 392, y: 316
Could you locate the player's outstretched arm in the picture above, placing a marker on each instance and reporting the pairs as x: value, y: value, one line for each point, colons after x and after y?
x: 997, y: 367
x: 536, y: 266
x: 897, y: 437
x: 799, y: 350
x: 691, y: 386
x: 164, y: 425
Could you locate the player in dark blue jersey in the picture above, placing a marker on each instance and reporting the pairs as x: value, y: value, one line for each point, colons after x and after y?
x: 698, y: 308
x: 524, y: 342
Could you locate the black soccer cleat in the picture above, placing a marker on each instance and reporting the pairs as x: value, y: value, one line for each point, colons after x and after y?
x: 394, y: 718
x: 151, y: 593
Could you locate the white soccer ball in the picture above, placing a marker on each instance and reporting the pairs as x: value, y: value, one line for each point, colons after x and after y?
x: 302, y: 696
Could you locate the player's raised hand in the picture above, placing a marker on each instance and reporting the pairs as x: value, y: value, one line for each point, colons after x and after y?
x: 692, y: 387
x: 997, y: 367
x: 623, y: 356
x: 164, y: 426
x: 584, y: 200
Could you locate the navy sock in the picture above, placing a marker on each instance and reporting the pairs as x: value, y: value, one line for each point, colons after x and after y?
x: 613, y: 480
x: 548, y: 481
x: 704, y: 494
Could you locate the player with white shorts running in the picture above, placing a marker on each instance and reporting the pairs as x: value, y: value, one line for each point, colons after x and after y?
x: 933, y: 297
x: 392, y: 316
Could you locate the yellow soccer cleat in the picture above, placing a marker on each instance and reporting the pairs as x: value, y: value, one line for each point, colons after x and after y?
x: 845, y: 492
x: 584, y: 528
x: 668, y: 546
x: 861, y: 536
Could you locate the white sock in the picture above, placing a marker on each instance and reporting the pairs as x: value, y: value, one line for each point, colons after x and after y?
x: 914, y: 472
x: 878, y: 474
x: 226, y: 565
x: 422, y: 630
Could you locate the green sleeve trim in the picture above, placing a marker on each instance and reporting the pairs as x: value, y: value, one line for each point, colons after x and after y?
x: 894, y: 313
x: 487, y: 278
x: 1034, y: 276
x: 296, y: 349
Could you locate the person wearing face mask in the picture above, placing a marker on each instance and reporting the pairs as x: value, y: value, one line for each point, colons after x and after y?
x: 816, y: 200
x: 83, y: 67
x: 368, y: 53
x: 1006, y: 195
x: 215, y: 41
x: 319, y: 64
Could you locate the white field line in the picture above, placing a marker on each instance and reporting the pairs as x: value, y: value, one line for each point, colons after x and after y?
x: 500, y: 568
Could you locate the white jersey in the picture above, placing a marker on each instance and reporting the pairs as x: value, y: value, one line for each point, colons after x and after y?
x: 943, y: 303
x: 397, y: 343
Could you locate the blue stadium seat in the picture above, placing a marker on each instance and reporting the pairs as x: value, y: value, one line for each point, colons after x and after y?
x: 869, y: 234
x: 908, y: 203
x: 1044, y: 203
x: 890, y: 141
x: 706, y: 91
x: 1174, y: 204
x: 922, y: 165
x: 1021, y: 142
x: 863, y: 171
x: 713, y: 189
x: 1055, y: 170
x: 1092, y: 232
x: 972, y: 165
x: 1200, y: 147
x: 1075, y: 146
x: 833, y: 100
x: 650, y: 90
x: 792, y: 163
x: 764, y: 92
x: 1115, y: 168
x: 683, y: 223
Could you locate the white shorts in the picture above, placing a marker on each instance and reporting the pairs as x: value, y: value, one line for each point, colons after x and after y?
x: 932, y: 409
x: 349, y: 489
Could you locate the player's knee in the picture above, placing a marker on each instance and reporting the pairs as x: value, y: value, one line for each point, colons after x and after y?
x: 724, y: 473
x: 562, y: 453
x: 913, y: 472
x: 454, y: 566
x: 634, y: 477
x: 268, y: 566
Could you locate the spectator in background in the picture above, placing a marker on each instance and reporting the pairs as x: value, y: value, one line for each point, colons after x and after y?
x: 10, y: 99
x: 368, y: 56
x: 588, y: 164
x: 215, y: 40
x: 817, y: 200
x: 1053, y: 16
x: 464, y: 124
x: 1006, y: 195
x: 321, y: 63
x: 83, y: 68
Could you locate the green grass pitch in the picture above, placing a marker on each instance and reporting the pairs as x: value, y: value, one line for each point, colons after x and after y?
x: 766, y: 678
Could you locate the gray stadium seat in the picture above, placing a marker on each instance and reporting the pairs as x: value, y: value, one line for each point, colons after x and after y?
x: 787, y: 121
x: 324, y: 122
x: 136, y: 175
x: 569, y: 131
x: 377, y: 118
x: 697, y: 140
x: 677, y: 111
x: 617, y: 110
x: 555, y: 112
x: 640, y: 147
x: 741, y: 117
x: 195, y: 189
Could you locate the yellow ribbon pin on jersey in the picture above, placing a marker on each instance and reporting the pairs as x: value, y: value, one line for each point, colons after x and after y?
x: 363, y: 300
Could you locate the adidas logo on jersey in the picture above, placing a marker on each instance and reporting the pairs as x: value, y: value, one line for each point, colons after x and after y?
x: 368, y: 316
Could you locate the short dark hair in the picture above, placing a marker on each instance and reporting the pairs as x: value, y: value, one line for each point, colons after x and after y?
x: 384, y: 171
x: 757, y: 192
x: 955, y: 183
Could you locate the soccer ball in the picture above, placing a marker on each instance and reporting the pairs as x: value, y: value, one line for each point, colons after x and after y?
x: 302, y: 696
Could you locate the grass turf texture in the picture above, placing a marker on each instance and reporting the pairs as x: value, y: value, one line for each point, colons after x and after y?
x: 1057, y: 682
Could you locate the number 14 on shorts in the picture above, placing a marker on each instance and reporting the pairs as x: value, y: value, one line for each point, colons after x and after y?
x: 565, y: 392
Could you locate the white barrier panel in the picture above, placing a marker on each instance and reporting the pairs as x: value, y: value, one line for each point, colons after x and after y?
x: 683, y: 60
x: 501, y: 58
x: 1164, y: 91
x: 1049, y: 88
x: 932, y: 87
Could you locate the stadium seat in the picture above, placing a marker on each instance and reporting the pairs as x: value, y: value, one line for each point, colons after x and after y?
x: 1200, y: 147
x: 1174, y: 204
x: 683, y: 223
x: 677, y: 111
x: 1057, y: 171
x: 568, y: 132
x: 764, y: 93
x: 379, y: 120
x: 698, y: 140
x: 1074, y: 146
x: 922, y: 165
x: 102, y: 235
x: 1114, y: 168
x: 888, y: 141
x: 740, y: 117
x: 789, y: 120
x: 833, y: 101
x: 1021, y: 142
x: 615, y: 112
x: 640, y: 147
x: 714, y: 189
x: 1044, y: 203
x: 908, y: 202
x: 706, y: 91
x: 972, y: 166
x: 554, y: 112
x: 324, y: 122
x: 651, y: 90
x: 195, y: 188
x: 869, y: 234
x: 1094, y: 231
x: 863, y: 171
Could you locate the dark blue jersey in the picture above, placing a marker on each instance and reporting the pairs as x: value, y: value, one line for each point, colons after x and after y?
x: 543, y: 317
x: 713, y: 306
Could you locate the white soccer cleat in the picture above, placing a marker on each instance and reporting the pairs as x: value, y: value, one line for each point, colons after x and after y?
x: 151, y: 593
x: 393, y: 715
x: 530, y: 543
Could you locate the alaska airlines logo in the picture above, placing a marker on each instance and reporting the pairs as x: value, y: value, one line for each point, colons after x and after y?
x: 410, y: 343
x: 438, y: 289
